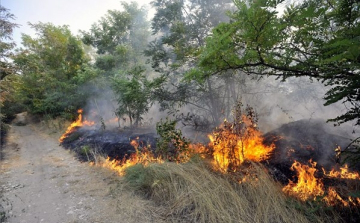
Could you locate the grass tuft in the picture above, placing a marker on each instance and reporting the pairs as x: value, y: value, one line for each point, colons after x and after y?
x: 190, y: 192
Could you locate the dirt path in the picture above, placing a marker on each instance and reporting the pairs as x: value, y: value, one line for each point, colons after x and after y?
x: 42, y: 182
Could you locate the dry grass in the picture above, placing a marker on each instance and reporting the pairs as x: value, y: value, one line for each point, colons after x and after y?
x: 191, y: 193
x: 131, y: 207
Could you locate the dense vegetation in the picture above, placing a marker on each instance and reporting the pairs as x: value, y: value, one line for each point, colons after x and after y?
x: 202, y: 55
x: 195, y: 60
x: 193, y: 42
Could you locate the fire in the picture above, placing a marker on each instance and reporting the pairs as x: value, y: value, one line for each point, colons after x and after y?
x: 344, y: 173
x: 117, y: 165
x: 310, y: 187
x: 112, y: 121
x: 144, y: 157
x: 232, y: 146
x: 78, y: 123
x: 307, y: 186
x: 333, y: 198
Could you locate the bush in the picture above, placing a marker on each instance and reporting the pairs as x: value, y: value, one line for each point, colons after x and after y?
x: 171, y: 145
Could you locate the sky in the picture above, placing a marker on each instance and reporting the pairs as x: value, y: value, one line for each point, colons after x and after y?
x: 77, y: 14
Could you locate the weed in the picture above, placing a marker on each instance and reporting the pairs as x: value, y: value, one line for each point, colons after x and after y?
x: 172, y: 145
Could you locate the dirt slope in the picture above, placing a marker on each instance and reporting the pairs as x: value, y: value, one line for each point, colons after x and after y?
x: 42, y: 182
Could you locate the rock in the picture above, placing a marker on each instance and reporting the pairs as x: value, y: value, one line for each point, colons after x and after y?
x: 20, y: 119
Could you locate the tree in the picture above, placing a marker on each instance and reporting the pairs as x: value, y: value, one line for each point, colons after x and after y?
x: 52, y: 66
x: 119, y: 38
x: 315, y: 38
x: 180, y: 28
x: 6, y: 43
x: 133, y: 92
x: 7, y: 69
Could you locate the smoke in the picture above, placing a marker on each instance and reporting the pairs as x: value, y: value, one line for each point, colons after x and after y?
x: 279, y: 102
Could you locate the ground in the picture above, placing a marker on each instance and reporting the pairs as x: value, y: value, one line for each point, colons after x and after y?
x: 42, y: 182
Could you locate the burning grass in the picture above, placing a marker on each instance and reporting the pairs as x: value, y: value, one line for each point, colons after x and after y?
x: 190, y: 192
x: 232, y: 186
x: 234, y: 143
x: 79, y: 122
x: 142, y: 156
x: 307, y: 186
x: 310, y: 187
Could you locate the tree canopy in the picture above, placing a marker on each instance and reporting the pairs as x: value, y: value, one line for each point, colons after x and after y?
x: 315, y: 38
x: 6, y: 43
x: 180, y: 28
x: 119, y: 38
x: 51, y: 66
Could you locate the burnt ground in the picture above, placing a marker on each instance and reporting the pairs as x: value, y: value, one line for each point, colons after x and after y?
x: 304, y: 140
x: 109, y: 143
x: 42, y: 182
x: 301, y: 141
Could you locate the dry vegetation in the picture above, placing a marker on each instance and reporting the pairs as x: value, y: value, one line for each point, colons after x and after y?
x: 193, y: 192
x: 190, y: 192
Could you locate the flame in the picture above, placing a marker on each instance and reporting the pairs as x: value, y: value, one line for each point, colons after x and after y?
x: 344, y: 173
x: 144, y: 157
x: 332, y: 198
x: 77, y: 123
x: 231, y: 148
x: 307, y: 185
x: 112, y: 121
x: 310, y: 187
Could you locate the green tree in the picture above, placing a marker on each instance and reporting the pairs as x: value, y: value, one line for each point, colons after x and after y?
x: 52, y: 67
x: 6, y: 43
x: 7, y: 69
x: 315, y: 38
x: 119, y: 38
x: 134, y: 94
x: 181, y: 28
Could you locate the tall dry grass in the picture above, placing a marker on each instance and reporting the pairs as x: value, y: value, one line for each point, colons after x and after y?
x: 190, y: 192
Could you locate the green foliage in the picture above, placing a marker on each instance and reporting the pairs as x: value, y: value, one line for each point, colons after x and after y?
x: 171, y: 145
x: 133, y: 93
x: 7, y: 70
x: 119, y: 38
x: 6, y: 43
x: 52, y: 67
x: 181, y: 28
x: 318, y: 39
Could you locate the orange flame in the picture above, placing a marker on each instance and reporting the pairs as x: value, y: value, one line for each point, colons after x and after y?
x: 307, y: 185
x: 344, y: 173
x: 310, y: 187
x: 332, y: 198
x: 231, y: 149
x: 145, y: 156
x: 78, y: 123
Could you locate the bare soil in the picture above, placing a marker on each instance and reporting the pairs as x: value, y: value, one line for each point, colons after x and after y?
x: 42, y: 182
